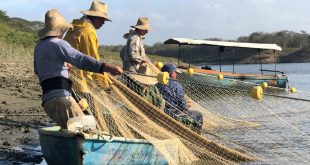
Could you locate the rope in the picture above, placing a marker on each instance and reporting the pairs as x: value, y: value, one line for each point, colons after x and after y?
x: 17, y: 114
x: 286, y: 97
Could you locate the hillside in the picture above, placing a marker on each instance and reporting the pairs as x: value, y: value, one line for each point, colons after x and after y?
x: 18, y: 31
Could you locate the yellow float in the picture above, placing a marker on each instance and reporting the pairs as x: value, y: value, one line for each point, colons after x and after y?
x: 264, y: 85
x: 190, y: 71
x: 257, y: 92
x: 220, y: 76
x: 293, y: 90
x: 159, y: 65
x: 163, y: 78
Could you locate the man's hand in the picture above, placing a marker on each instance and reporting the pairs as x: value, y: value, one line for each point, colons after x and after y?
x: 113, y: 69
x: 143, y: 61
x: 68, y: 65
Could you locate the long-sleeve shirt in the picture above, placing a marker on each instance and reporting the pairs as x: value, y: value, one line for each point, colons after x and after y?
x: 173, y: 93
x: 134, y: 53
x: 50, y: 56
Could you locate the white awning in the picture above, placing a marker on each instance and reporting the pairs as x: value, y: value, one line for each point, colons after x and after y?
x: 186, y: 41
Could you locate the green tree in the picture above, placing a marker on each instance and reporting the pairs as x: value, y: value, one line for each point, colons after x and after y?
x: 3, y: 16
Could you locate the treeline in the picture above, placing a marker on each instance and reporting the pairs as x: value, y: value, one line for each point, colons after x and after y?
x: 18, y: 31
x: 285, y: 39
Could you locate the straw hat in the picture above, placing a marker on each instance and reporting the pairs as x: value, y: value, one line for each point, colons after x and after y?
x: 55, y: 24
x: 97, y: 9
x: 143, y: 24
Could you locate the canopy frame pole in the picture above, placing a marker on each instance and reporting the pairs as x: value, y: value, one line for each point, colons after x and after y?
x: 233, y: 60
x: 190, y: 55
x: 221, y: 49
x: 275, y: 63
x: 179, y: 55
x: 260, y: 61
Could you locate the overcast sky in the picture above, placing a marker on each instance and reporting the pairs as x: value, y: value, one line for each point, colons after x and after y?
x: 199, y: 19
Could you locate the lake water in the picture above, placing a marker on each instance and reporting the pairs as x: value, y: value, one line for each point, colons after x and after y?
x: 283, y: 138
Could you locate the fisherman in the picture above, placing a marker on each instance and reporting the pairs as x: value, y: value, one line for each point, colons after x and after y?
x: 83, y: 37
x: 133, y: 54
x: 50, y: 57
x: 176, y: 105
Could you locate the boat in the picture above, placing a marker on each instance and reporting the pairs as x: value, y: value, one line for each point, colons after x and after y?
x: 60, y: 146
x: 277, y: 79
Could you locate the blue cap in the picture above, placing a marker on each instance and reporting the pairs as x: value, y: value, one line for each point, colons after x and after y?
x: 168, y: 68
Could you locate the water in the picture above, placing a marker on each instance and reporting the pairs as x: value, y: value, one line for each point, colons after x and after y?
x: 283, y: 138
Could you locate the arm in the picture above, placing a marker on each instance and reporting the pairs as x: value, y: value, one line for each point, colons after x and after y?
x: 84, y: 62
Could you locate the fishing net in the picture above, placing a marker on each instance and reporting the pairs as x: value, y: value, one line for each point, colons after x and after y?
x: 235, y: 129
x: 274, y: 128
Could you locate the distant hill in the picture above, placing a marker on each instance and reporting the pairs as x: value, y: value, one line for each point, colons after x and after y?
x: 298, y: 56
x: 18, y: 31
x: 295, y: 48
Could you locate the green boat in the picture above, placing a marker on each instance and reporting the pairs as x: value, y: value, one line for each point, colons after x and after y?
x: 276, y: 79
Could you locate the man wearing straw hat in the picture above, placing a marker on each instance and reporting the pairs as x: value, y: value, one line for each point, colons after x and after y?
x: 133, y: 54
x: 83, y: 37
x: 50, y: 57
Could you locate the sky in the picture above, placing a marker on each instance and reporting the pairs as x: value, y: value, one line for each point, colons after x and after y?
x: 196, y: 19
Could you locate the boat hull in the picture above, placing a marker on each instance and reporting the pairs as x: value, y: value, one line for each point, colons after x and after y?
x: 280, y: 81
x: 62, y: 147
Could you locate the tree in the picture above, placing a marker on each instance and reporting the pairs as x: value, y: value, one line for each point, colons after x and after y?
x: 3, y: 16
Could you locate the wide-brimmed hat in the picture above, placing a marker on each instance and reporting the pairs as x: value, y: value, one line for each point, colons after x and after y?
x: 97, y: 9
x: 55, y: 24
x: 143, y: 24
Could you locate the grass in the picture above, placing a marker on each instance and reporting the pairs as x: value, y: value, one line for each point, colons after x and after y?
x: 15, y: 53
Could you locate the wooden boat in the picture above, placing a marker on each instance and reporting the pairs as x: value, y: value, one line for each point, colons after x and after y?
x: 278, y: 79
x: 63, y: 147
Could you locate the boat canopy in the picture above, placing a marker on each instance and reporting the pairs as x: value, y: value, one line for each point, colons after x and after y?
x: 186, y: 41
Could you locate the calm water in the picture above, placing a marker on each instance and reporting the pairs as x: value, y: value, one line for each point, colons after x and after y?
x: 298, y: 73
x: 284, y: 138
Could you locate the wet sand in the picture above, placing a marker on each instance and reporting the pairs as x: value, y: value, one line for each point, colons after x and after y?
x: 21, y: 114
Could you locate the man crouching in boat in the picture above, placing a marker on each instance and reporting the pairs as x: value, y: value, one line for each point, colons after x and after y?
x: 50, y: 57
x: 176, y: 105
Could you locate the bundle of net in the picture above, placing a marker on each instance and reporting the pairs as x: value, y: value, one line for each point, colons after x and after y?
x: 274, y: 127
x: 130, y: 108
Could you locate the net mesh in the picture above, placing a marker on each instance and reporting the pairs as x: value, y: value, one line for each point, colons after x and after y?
x: 235, y: 127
